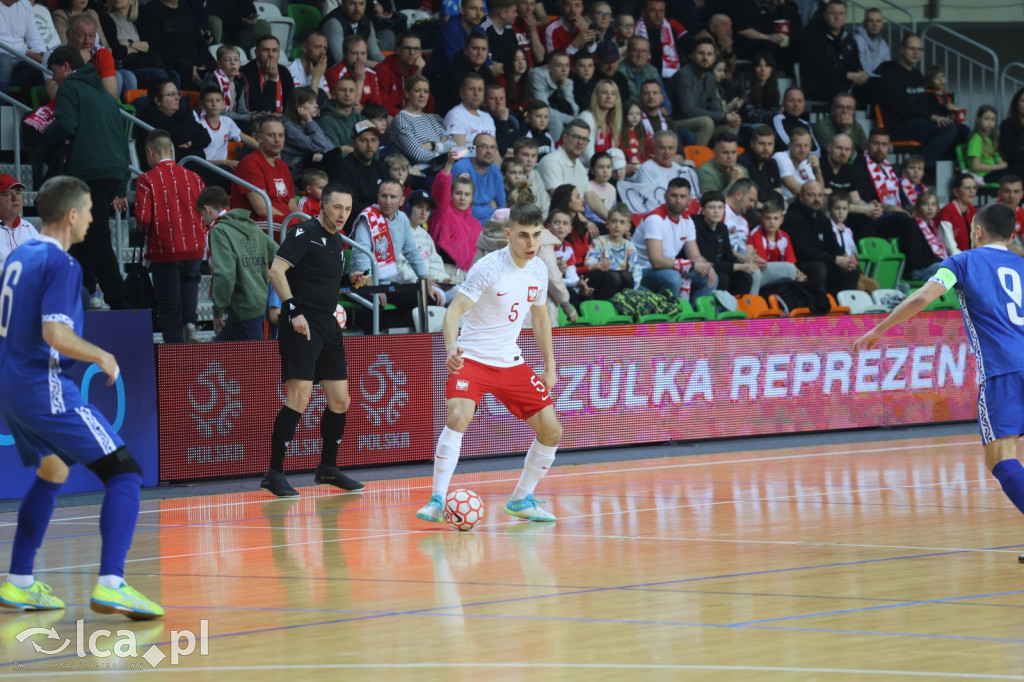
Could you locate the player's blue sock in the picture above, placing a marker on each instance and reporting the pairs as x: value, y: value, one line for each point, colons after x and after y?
x: 332, y: 428
x: 1010, y: 474
x: 118, y: 515
x: 33, y: 518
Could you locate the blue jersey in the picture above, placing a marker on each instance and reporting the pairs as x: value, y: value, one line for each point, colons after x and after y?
x: 990, y: 286
x: 41, y: 282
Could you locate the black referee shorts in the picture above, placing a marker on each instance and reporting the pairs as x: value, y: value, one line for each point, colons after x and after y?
x: 320, y: 358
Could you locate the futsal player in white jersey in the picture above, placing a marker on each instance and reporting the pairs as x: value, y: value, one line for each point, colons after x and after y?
x: 989, y: 282
x: 485, y: 358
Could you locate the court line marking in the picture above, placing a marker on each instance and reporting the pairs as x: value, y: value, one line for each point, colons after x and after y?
x: 389, y: 533
x: 539, y: 666
x: 554, y: 475
x: 226, y: 524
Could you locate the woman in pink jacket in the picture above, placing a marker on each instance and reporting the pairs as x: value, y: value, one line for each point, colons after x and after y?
x: 452, y: 225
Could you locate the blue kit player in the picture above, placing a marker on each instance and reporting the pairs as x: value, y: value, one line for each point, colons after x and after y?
x: 40, y: 322
x: 989, y: 281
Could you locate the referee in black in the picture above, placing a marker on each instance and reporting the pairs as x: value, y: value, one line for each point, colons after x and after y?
x: 307, y: 274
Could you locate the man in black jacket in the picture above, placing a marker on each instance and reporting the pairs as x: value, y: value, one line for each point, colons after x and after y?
x: 361, y: 170
x: 166, y: 113
x: 270, y: 85
x: 831, y: 61
x: 818, y: 253
x: 908, y: 109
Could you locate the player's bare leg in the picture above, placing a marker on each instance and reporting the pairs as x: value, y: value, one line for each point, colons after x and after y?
x: 446, y: 456
x: 539, y: 459
x: 332, y: 428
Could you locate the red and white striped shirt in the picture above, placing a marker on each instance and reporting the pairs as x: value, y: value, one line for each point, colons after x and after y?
x: 165, y: 208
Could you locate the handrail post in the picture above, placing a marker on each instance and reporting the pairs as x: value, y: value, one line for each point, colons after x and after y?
x: 18, y: 106
x: 238, y: 181
x: 375, y: 273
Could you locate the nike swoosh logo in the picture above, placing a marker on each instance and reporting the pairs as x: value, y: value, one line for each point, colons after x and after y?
x: 502, y: 294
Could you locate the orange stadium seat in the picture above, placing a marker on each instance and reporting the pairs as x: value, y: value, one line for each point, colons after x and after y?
x: 697, y: 154
x: 131, y: 95
x: 755, y: 306
x: 192, y: 96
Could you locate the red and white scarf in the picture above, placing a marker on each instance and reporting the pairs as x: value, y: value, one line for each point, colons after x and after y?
x: 649, y: 129
x: 633, y: 149
x: 883, y: 177
x: 383, y: 246
x: 911, y: 189
x: 930, y: 231
x: 42, y: 118
x: 277, y: 99
x: 670, y: 62
x: 603, y: 140
x: 225, y: 87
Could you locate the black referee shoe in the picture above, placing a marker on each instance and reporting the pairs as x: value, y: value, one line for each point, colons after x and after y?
x: 333, y: 476
x: 275, y: 482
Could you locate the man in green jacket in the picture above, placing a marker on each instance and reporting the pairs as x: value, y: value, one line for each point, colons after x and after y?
x: 241, y: 254
x: 87, y: 118
x: 339, y: 116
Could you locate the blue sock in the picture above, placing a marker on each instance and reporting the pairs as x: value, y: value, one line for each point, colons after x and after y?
x: 118, y: 515
x: 1010, y: 474
x: 33, y: 518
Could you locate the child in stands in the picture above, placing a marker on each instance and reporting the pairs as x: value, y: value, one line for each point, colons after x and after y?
x: 600, y: 195
x: 912, y: 179
x: 313, y: 182
x: 619, y: 252
x: 222, y: 129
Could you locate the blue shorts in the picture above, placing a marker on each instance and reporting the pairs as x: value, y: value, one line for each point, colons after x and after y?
x: 80, y: 434
x: 1001, y: 406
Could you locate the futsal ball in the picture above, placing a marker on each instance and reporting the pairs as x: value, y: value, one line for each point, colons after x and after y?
x: 340, y: 315
x: 463, y: 509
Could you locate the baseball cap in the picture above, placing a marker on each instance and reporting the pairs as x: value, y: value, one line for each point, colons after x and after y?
x: 364, y: 127
x: 419, y: 196
x: 607, y: 51
x: 618, y: 158
x: 9, y: 182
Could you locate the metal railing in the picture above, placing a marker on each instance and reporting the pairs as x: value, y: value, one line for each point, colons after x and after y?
x: 893, y: 31
x: 238, y: 181
x: 4, y: 97
x: 972, y: 69
x: 1010, y: 84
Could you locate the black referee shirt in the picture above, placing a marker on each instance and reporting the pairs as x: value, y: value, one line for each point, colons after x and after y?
x: 318, y: 266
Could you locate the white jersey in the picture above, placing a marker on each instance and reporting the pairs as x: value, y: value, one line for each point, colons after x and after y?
x: 673, y: 234
x: 739, y: 229
x: 802, y: 173
x: 226, y: 130
x: 459, y: 121
x: 502, y: 293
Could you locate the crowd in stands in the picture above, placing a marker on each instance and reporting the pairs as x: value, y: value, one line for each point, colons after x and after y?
x: 653, y: 134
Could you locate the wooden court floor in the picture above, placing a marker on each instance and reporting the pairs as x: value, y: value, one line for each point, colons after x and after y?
x: 881, y: 560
